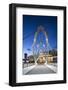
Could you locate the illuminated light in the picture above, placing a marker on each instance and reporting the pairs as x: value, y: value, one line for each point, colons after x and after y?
x: 43, y: 45
x: 35, y: 34
x: 34, y: 39
x: 37, y: 45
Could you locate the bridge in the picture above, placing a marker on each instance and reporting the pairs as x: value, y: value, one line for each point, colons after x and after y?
x: 44, y: 62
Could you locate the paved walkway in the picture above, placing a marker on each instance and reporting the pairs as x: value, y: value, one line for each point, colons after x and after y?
x: 40, y: 69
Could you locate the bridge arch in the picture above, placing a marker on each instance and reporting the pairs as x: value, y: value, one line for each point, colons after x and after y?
x: 39, y: 29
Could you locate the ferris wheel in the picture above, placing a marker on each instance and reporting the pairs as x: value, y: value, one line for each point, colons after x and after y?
x: 41, y: 47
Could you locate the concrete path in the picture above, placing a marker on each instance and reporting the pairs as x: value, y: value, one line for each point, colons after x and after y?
x: 40, y: 69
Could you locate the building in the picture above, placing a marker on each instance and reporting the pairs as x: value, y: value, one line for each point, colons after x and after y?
x: 43, y: 58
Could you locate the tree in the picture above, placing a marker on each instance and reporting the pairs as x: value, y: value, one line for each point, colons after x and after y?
x: 53, y: 52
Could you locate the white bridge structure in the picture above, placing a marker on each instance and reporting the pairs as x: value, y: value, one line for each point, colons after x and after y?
x: 41, y: 55
x: 38, y: 52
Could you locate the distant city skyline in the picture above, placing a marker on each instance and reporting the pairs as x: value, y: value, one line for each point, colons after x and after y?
x: 30, y: 25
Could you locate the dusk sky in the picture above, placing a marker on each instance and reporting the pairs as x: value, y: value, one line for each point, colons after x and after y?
x: 30, y: 25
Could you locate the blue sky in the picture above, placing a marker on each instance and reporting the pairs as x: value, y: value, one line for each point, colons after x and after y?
x: 30, y: 25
